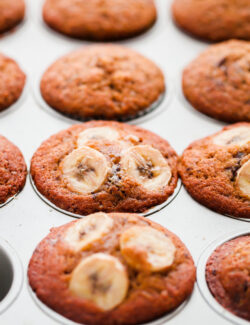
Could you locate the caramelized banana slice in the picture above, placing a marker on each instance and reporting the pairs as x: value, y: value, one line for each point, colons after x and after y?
x: 88, y: 230
x: 147, y: 249
x: 146, y: 166
x: 243, y: 179
x: 97, y: 133
x: 102, y: 279
x: 234, y: 137
x: 85, y: 170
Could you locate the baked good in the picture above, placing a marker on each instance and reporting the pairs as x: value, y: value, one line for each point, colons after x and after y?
x: 102, y: 81
x: 100, y: 20
x: 105, y: 166
x: 112, y: 268
x: 12, y: 81
x: 216, y: 170
x: 217, y: 83
x: 213, y: 20
x: 11, y: 13
x: 13, y: 170
x: 228, y: 278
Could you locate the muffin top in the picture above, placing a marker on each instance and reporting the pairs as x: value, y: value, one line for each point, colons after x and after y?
x: 214, y: 20
x: 105, y: 166
x: 217, y: 83
x: 12, y: 12
x: 111, y: 269
x: 102, y: 81
x: 12, y: 170
x: 100, y: 20
x: 12, y: 81
x: 228, y: 277
x: 216, y: 170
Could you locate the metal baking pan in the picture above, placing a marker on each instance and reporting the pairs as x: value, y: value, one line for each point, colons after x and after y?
x: 26, y: 220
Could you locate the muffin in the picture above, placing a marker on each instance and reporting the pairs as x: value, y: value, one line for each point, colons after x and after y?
x: 216, y: 170
x: 213, y: 20
x: 103, y: 82
x: 12, y: 170
x: 105, y: 166
x: 12, y: 81
x: 100, y: 20
x: 12, y: 13
x: 228, y: 278
x: 111, y: 269
x: 217, y: 83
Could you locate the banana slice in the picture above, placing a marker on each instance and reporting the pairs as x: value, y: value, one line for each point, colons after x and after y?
x: 243, y: 179
x: 147, y: 166
x: 85, y: 170
x: 235, y: 137
x: 102, y: 279
x: 147, y: 249
x: 88, y: 230
x: 97, y: 133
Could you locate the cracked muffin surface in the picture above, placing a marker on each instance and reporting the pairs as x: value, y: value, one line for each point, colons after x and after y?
x: 217, y: 83
x: 13, y: 170
x: 11, y: 13
x: 228, y: 275
x: 213, y: 20
x: 216, y: 170
x: 12, y: 81
x: 163, y: 281
x: 102, y: 81
x: 100, y: 20
x: 105, y: 166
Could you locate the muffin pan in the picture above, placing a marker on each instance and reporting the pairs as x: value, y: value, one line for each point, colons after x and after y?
x: 202, y: 283
x: 27, y: 221
x: 11, y: 275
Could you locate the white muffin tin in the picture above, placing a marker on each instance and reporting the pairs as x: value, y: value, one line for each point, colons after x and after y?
x: 26, y: 219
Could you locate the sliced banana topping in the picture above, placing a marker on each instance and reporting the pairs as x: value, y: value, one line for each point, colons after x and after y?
x: 97, y: 133
x: 85, y: 170
x: 234, y: 137
x: 243, y: 179
x: 102, y: 279
x: 147, y: 249
x: 88, y: 230
x: 146, y: 166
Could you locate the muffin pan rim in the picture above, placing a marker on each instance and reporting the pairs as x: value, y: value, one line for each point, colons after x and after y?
x: 201, y: 277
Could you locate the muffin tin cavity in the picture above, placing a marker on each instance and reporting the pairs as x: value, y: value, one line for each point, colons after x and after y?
x: 202, y: 283
x: 11, y: 275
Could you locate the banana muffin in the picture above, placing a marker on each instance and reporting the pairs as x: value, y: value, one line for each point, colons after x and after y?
x: 100, y: 20
x: 217, y: 83
x: 213, y: 20
x: 11, y: 13
x: 105, y: 166
x: 102, y: 81
x: 111, y: 269
x: 13, y: 170
x: 12, y: 81
x: 216, y: 170
x: 228, y: 277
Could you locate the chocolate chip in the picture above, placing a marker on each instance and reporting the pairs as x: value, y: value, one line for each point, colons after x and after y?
x: 214, y: 272
x: 222, y: 62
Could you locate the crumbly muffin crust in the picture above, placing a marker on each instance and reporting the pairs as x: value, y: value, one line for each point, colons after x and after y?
x: 100, y: 20
x: 12, y: 13
x: 150, y: 295
x: 217, y: 83
x: 13, y: 170
x: 12, y: 81
x: 102, y: 81
x: 209, y: 173
x: 118, y: 193
x: 214, y: 20
x: 228, y: 278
